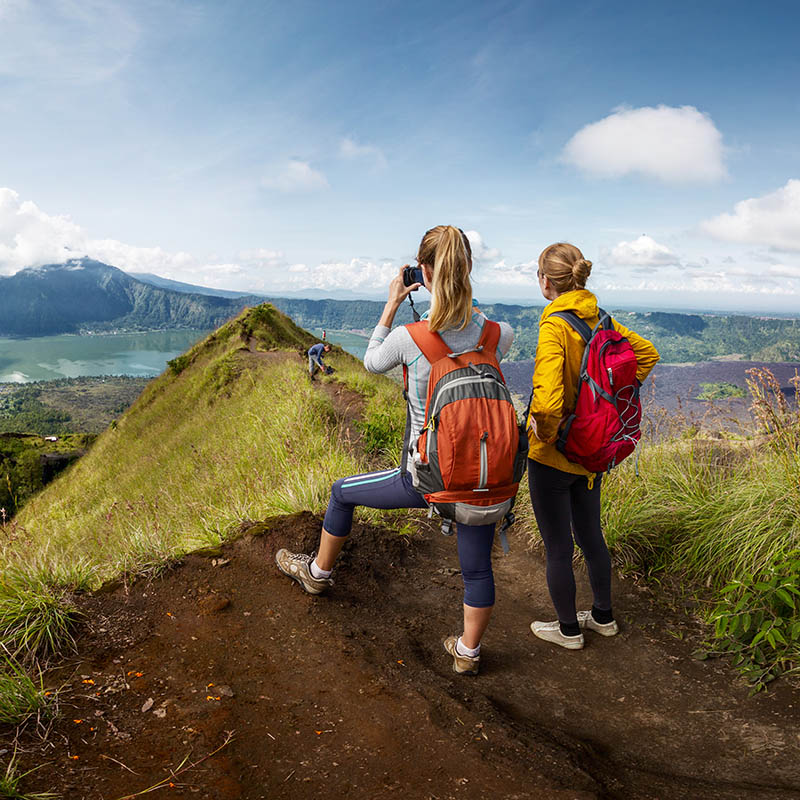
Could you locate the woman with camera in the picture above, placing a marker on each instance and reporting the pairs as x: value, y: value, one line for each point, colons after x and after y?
x: 445, y: 263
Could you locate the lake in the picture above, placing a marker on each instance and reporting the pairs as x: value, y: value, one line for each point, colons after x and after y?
x: 46, y: 358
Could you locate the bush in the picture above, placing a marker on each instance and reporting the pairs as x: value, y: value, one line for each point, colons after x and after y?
x: 757, y: 623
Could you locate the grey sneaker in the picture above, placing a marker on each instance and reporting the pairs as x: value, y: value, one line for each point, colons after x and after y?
x: 298, y: 567
x: 463, y: 665
x: 551, y: 632
x: 586, y: 620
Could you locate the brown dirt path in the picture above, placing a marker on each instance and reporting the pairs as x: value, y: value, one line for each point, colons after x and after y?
x: 351, y: 695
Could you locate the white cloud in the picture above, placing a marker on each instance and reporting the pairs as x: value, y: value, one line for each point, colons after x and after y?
x: 481, y: 253
x: 671, y: 144
x: 295, y: 177
x: 772, y: 220
x: 783, y: 271
x: 642, y: 252
x: 351, y: 150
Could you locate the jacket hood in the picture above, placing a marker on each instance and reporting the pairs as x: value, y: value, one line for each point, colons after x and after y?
x: 581, y: 301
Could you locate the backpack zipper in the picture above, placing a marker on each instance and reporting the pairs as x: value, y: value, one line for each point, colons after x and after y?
x: 484, y: 474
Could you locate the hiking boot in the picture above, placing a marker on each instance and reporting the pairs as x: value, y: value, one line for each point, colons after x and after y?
x: 586, y: 620
x: 297, y: 566
x: 463, y: 665
x: 551, y: 632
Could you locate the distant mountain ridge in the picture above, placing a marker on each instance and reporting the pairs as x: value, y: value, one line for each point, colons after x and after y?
x: 84, y: 294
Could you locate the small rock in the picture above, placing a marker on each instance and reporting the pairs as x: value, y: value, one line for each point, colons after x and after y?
x: 213, y: 604
x: 225, y: 691
x: 160, y: 713
x: 148, y: 704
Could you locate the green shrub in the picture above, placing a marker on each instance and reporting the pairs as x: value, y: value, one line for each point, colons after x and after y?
x: 757, y: 623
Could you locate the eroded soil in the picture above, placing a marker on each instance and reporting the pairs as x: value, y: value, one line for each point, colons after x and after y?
x: 352, y: 695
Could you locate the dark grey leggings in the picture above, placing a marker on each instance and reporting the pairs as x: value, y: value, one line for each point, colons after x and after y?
x: 565, y: 507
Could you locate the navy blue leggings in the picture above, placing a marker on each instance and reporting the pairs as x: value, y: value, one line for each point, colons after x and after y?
x: 392, y: 488
x: 565, y: 507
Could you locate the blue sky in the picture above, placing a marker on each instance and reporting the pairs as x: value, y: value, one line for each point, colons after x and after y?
x: 297, y: 147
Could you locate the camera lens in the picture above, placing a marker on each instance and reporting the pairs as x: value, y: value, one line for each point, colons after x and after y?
x: 412, y: 275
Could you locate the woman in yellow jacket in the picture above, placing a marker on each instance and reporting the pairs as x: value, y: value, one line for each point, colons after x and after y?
x: 565, y: 496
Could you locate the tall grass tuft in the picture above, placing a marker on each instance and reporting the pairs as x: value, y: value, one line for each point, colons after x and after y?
x: 717, y: 513
x: 36, y: 620
x: 21, y: 697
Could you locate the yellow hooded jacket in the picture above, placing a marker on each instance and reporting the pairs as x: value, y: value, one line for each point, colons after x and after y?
x: 555, y: 377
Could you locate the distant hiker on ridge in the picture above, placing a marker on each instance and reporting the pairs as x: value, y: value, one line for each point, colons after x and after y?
x: 445, y: 263
x: 564, y: 477
x: 315, y: 354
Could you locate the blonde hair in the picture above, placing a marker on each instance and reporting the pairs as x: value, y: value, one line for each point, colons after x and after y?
x: 565, y: 267
x: 446, y: 251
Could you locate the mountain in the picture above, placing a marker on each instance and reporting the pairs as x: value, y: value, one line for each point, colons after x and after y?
x: 85, y: 294
x: 185, y: 288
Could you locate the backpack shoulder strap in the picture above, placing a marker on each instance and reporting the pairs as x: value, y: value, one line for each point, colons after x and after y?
x: 490, y: 336
x: 575, y: 322
x: 431, y: 344
x: 606, y: 323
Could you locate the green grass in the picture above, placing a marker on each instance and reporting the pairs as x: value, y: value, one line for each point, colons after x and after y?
x: 21, y: 697
x: 227, y: 439
x: 11, y: 780
x: 36, y: 619
x: 719, y: 514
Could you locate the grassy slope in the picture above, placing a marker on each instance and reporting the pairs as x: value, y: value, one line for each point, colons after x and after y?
x: 222, y: 437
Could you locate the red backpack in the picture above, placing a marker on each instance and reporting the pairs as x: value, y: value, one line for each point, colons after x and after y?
x: 470, y: 457
x: 604, y: 427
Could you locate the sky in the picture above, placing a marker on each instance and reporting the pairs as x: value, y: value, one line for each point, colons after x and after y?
x: 306, y: 147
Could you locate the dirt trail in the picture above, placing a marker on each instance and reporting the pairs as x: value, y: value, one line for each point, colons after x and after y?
x: 351, y: 694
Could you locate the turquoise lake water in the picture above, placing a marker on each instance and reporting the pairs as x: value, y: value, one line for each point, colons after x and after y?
x: 142, y: 355
x: 46, y: 358
x: 351, y: 342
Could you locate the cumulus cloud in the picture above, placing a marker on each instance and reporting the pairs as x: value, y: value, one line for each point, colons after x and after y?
x: 352, y: 150
x: 481, y: 253
x: 772, y: 220
x: 670, y: 144
x: 642, y: 252
x: 295, y: 177
x: 29, y: 237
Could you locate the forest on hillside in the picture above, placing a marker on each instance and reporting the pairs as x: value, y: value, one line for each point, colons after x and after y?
x: 678, y: 337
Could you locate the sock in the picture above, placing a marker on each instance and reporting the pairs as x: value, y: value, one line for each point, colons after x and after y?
x: 603, y: 617
x: 463, y: 650
x: 318, y: 573
x: 570, y: 628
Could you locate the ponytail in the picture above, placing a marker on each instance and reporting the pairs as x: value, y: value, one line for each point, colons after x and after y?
x: 446, y: 250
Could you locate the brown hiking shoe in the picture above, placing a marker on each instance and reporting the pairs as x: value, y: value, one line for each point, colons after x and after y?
x: 463, y: 665
x: 297, y: 566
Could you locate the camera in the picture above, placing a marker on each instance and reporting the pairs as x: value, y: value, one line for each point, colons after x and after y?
x: 412, y: 275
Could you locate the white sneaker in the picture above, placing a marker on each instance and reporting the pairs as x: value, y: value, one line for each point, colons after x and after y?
x: 586, y: 620
x: 551, y: 632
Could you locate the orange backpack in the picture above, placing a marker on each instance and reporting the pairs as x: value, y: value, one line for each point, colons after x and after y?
x: 470, y: 456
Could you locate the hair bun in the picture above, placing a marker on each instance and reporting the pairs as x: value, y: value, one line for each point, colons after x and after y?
x: 581, y: 270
